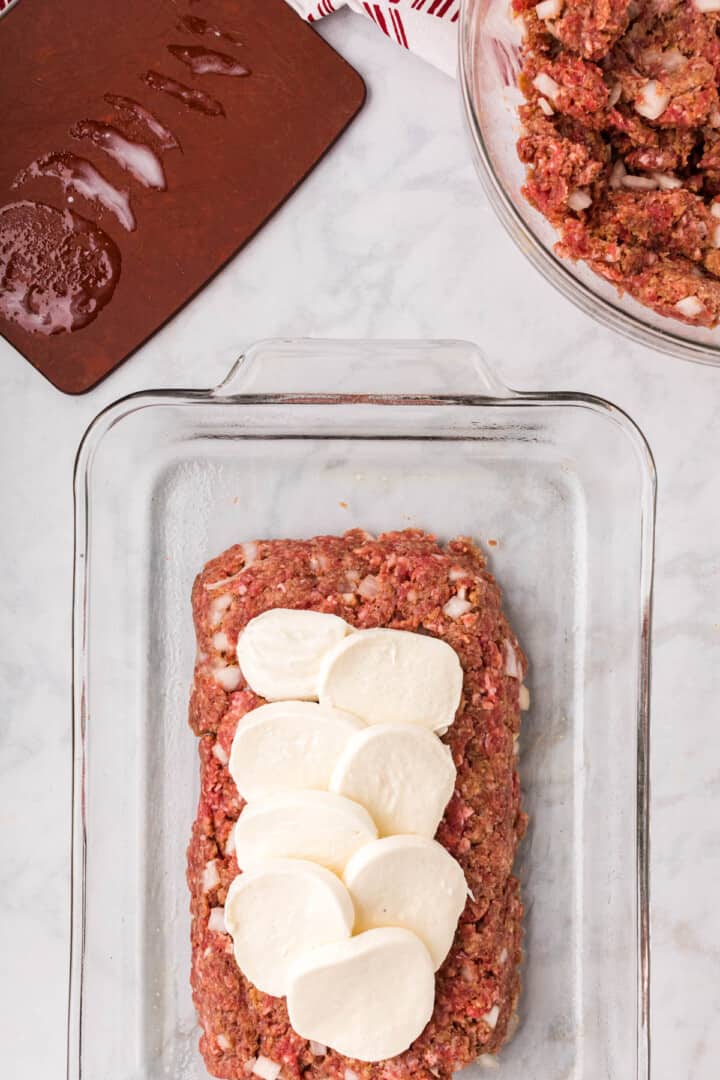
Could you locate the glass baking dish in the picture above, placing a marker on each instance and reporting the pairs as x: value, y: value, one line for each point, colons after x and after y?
x: 490, y: 41
x: 315, y: 437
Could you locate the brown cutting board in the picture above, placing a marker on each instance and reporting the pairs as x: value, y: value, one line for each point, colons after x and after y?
x: 114, y: 228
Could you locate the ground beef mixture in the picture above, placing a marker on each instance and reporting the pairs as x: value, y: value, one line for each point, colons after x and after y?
x: 621, y: 137
x: 407, y: 581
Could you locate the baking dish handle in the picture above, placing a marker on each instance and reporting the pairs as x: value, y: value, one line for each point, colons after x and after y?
x: 403, y: 368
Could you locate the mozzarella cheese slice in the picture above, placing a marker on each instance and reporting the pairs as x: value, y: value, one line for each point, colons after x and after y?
x: 393, y: 676
x: 278, y: 910
x: 289, y: 745
x: 412, y: 882
x: 403, y: 775
x: 280, y: 651
x: 316, y: 825
x: 368, y: 997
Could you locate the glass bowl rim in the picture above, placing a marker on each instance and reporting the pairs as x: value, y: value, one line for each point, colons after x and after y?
x: 553, y: 269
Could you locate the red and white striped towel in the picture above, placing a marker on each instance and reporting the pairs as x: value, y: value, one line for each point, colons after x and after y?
x: 426, y: 27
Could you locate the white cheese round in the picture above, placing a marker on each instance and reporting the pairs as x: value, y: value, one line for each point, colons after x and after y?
x: 278, y: 910
x: 403, y: 775
x: 393, y: 676
x: 280, y: 651
x: 368, y: 997
x: 289, y: 745
x: 316, y: 825
x: 412, y: 882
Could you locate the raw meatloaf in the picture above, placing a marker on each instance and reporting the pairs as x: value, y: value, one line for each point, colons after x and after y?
x: 407, y: 581
x: 621, y: 136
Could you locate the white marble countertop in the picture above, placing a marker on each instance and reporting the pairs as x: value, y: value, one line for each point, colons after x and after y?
x: 391, y: 236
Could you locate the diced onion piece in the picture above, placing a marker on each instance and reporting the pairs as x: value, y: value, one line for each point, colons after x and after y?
x: 666, y: 181
x: 545, y: 106
x: 549, y: 9
x: 617, y: 174
x: 211, y: 877
x: 350, y: 1075
x: 456, y: 606
x: 614, y: 96
x: 673, y: 59
x: 228, y: 677
x: 250, y: 551
x: 220, y: 754
x: 639, y: 183
x: 218, y: 607
x: 467, y: 972
x: 547, y: 86
x: 666, y: 59
x: 716, y: 236
x: 488, y: 1061
x: 705, y: 6
x: 457, y: 574
x: 512, y: 668
x: 579, y: 200
x: 652, y: 101
x: 318, y: 1049
x: 223, y: 1041
x: 715, y: 209
x: 524, y: 698
x: 220, y: 641
x: 249, y: 1066
x: 216, y: 921
x: 690, y: 306
x: 491, y: 1017
x: 369, y: 587
x: 266, y: 1069
x: 215, y: 585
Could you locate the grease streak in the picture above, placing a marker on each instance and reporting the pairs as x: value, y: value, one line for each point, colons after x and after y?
x: 137, y: 158
x: 193, y: 24
x: 57, y: 270
x: 79, y: 175
x: 193, y: 99
x: 202, y: 61
x: 130, y: 107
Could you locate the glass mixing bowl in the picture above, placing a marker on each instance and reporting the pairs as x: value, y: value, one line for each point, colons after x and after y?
x: 489, y: 65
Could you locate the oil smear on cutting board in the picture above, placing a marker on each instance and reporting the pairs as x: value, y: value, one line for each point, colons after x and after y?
x: 58, y: 270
